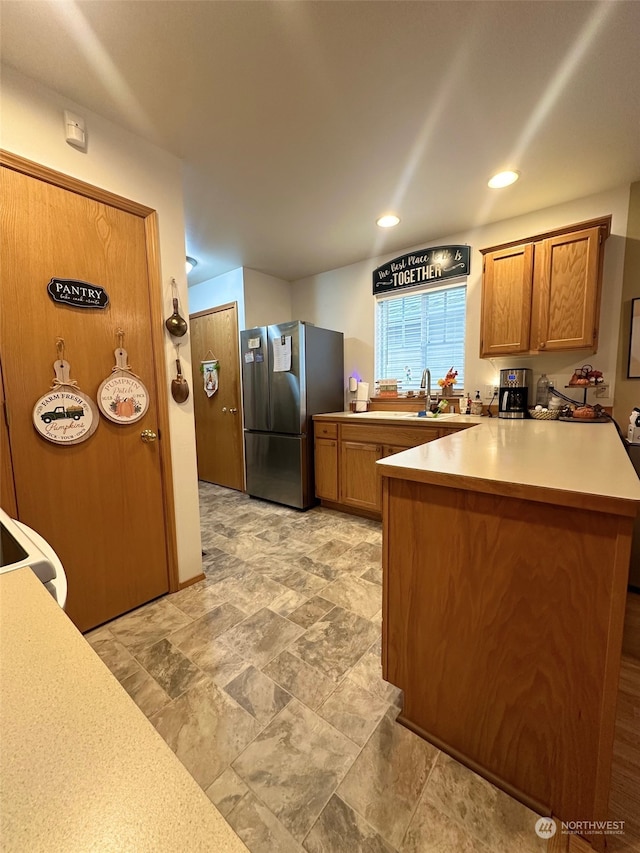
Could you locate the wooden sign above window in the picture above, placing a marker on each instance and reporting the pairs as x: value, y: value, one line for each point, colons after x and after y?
x: 426, y: 266
x: 79, y: 294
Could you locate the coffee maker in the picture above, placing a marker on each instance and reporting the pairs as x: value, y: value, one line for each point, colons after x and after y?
x: 514, y: 392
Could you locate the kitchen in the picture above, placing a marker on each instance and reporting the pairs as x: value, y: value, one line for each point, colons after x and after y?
x: 344, y: 293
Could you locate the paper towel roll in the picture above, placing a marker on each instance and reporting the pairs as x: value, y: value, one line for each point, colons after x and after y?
x: 362, y: 397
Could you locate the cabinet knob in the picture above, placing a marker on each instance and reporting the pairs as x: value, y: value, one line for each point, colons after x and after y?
x: 233, y: 411
x: 224, y: 410
x: 541, y: 345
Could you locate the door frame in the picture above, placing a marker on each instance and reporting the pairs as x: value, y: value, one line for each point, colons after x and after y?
x: 150, y: 220
x: 215, y: 310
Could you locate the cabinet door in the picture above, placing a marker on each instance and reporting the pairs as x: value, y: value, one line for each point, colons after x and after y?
x: 566, y: 293
x: 360, y: 484
x: 326, y: 468
x: 506, y: 301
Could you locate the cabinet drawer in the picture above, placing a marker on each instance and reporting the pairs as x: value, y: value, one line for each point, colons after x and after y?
x: 408, y: 436
x: 325, y: 430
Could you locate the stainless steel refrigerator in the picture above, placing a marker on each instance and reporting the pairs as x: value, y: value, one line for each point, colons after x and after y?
x: 290, y: 372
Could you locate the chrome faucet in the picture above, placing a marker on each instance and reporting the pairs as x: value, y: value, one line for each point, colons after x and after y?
x: 425, y: 383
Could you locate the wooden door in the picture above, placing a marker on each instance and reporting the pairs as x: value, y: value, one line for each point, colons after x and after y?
x: 566, y: 295
x: 506, y: 301
x: 326, y: 468
x: 360, y: 485
x: 101, y: 503
x: 219, y: 441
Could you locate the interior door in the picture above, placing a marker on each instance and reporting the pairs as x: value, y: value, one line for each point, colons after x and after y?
x: 99, y: 503
x: 218, y: 418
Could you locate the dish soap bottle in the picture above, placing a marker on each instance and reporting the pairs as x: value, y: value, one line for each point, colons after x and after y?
x: 542, y: 391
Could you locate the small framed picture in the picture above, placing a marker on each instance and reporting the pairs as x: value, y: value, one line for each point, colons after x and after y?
x: 633, y: 371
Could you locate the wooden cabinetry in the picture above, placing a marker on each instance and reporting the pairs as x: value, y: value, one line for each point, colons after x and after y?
x: 346, y: 453
x: 359, y: 480
x: 542, y: 294
x: 326, y: 452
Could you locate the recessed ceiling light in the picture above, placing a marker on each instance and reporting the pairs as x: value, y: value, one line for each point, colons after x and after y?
x: 504, y: 179
x: 190, y: 264
x: 388, y: 220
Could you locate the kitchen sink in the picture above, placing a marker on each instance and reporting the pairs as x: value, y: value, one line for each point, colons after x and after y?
x: 402, y: 415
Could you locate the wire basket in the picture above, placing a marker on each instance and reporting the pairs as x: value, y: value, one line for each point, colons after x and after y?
x: 549, y: 415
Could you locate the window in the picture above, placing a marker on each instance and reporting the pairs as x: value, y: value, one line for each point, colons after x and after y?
x: 418, y: 330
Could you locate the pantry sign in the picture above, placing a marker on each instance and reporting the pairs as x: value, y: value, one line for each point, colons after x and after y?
x: 426, y: 266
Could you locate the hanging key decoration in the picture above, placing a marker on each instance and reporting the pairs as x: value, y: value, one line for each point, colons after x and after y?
x: 65, y: 414
x: 123, y: 397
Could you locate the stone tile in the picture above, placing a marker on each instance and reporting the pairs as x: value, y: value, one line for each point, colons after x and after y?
x: 304, y: 682
x: 174, y: 672
x: 314, y: 567
x: 114, y: 655
x: 386, y: 780
x: 301, y: 581
x: 206, y: 729
x: 359, y: 558
x: 261, y: 637
x: 258, y: 694
x: 374, y: 574
x: 484, y: 811
x: 311, y: 611
x: 243, y: 547
x: 356, y: 594
x: 147, y: 625
x: 331, y: 550
x: 368, y: 674
x: 340, y: 830
x: 145, y: 692
x: 287, y: 601
x: 218, y: 565
x: 431, y: 831
x: 336, y: 642
x: 260, y: 830
x: 218, y: 662
x: 201, y: 633
x: 353, y: 711
x: 197, y: 600
x: 294, y: 766
x: 251, y: 592
x: 227, y: 791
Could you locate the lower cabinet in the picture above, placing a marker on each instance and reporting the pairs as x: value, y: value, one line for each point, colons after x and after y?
x: 346, y: 473
x: 360, y: 485
x: 326, y: 454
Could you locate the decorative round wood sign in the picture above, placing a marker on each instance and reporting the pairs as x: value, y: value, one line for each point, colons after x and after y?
x: 65, y: 415
x: 122, y: 397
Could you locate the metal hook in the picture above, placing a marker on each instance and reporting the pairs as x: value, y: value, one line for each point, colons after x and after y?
x: 120, y: 335
x: 60, y: 348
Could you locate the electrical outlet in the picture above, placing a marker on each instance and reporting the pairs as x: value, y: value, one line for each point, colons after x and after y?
x: 601, y: 391
x: 490, y: 391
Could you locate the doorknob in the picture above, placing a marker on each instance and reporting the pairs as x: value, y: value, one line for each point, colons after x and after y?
x: 233, y: 411
x: 148, y: 435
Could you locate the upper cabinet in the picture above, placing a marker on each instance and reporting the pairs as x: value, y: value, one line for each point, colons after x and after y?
x: 542, y: 294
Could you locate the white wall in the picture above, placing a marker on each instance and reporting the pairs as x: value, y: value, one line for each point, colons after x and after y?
x: 342, y: 299
x: 267, y: 299
x: 115, y: 160
x: 218, y: 291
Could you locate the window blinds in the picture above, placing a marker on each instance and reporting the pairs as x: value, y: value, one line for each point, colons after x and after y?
x: 418, y: 330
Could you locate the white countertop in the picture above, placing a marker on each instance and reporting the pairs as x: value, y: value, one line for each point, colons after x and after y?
x: 586, y: 463
x: 81, y: 768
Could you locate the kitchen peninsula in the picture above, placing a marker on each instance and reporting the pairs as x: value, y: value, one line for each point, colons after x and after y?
x: 505, y: 559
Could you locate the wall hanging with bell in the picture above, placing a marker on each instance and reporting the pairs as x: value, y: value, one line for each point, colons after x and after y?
x: 65, y: 414
x: 123, y: 397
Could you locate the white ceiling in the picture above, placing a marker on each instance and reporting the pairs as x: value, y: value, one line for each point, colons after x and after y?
x: 300, y: 122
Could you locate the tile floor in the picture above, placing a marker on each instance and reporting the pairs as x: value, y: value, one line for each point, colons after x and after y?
x: 265, y: 680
